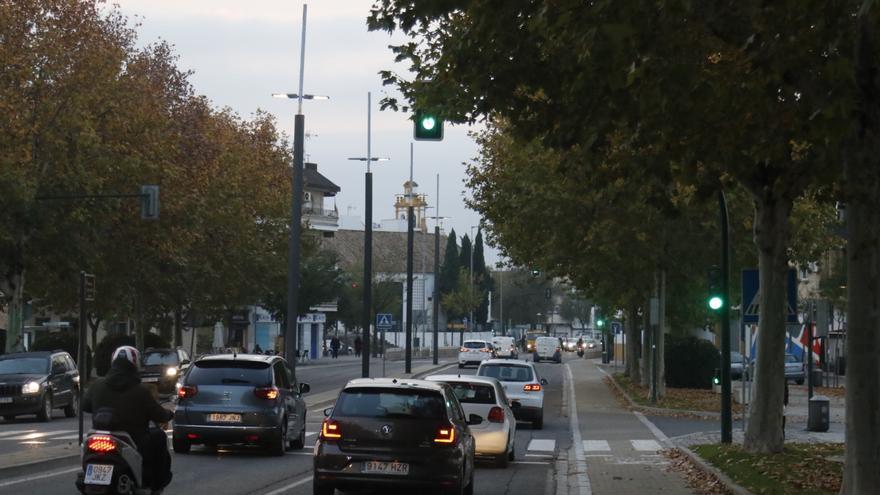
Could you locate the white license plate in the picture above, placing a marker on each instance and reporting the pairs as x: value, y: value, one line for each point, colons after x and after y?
x: 5, y: 400
x: 224, y: 418
x: 399, y: 468
x: 150, y: 379
x: 98, y: 474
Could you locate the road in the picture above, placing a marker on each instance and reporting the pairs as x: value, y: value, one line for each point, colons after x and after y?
x: 617, y: 451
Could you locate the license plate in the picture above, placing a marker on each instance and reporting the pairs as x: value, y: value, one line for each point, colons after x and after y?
x: 149, y: 379
x: 98, y: 474
x: 224, y: 418
x: 399, y: 468
x: 5, y: 400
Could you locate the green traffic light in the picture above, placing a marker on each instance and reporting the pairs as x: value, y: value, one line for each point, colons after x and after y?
x: 427, y: 127
x: 600, y: 323
x: 715, y: 303
x: 428, y: 123
x: 716, y: 380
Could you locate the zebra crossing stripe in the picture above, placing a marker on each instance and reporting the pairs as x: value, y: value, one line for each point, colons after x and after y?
x: 645, y: 445
x: 542, y: 445
x: 37, y: 435
x: 15, y: 432
x: 596, y: 446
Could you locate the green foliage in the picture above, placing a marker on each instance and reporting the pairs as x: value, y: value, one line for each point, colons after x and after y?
x: 690, y: 362
x: 50, y: 341
x: 464, y: 299
x: 451, y: 265
x: 105, y: 348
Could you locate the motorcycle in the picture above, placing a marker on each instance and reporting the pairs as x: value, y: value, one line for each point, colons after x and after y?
x: 111, y: 462
x: 580, y: 350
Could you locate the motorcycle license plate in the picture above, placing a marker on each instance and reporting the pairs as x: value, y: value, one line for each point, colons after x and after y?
x: 98, y: 474
x: 399, y: 468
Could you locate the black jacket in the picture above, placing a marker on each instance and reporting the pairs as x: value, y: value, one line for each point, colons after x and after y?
x: 132, y: 403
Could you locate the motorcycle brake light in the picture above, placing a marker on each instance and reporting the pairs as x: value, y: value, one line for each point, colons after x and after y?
x: 187, y: 391
x: 101, y: 444
x: 330, y: 430
x: 532, y: 387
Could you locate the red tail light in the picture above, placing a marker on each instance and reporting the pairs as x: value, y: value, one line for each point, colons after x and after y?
x: 445, y: 435
x: 187, y: 392
x: 330, y: 430
x: 496, y: 415
x: 485, y: 350
x: 463, y: 349
x: 101, y: 444
x: 266, y: 392
x: 532, y: 387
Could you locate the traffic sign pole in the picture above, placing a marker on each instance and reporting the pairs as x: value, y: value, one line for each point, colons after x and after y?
x: 726, y: 405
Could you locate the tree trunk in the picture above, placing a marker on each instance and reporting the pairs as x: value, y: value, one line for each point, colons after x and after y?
x: 772, y: 233
x: 178, y: 328
x: 138, y: 325
x: 14, y: 337
x: 860, y: 473
x: 645, y: 361
x: 661, y: 332
x: 632, y: 344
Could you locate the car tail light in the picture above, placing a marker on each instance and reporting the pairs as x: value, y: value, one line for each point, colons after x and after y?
x: 445, y: 435
x: 192, y: 436
x: 270, y: 393
x: 532, y: 387
x: 463, y: 349
x: 330, y: 430
x: 485, y: 350
x: 496, y: 415
x: 101, y: 444
x: 187, y: 392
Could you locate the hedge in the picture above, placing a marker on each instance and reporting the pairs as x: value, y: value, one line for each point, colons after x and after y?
x: 690, y: 362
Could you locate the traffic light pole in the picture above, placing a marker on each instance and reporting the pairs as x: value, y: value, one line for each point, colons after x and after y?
x: 724, y: 313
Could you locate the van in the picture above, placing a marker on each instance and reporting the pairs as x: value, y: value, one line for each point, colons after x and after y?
x: 504, y: 347
x: 547, y: 348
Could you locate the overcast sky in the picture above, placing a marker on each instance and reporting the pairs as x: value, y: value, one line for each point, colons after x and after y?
x: 241, y: 52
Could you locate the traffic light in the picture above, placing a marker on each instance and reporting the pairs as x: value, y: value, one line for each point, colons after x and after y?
x: 715, y: 300
x: 427, y: 127
x: 600, y: 322
x: 716, y: 377
x: 536, y: 273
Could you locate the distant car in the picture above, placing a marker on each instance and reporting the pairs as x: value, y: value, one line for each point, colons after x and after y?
x: 591, y: 344
x: 569, y: 344
x: 485, y: 397
x: 547, y: 348
x: 395, y: 433
x: 530, y: 340
x: 37, y: 383
x: 474, y: 352
x: 522, y: 385
x: 240, y: 399
x: 794, y: 369
x: 505, y: 347
x: 164, y: 367
x: 736, y: 365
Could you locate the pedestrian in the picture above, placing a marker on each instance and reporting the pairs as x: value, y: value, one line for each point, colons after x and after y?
x: 258, y: 349
x: 334, y: 346
x: 357, y: 346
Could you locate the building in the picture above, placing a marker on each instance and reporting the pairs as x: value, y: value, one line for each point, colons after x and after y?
x: 316, y: 189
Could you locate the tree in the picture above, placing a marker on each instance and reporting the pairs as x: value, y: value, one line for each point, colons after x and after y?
x: 449, y: 269
x: 486, y: 284
x: 460, y: 302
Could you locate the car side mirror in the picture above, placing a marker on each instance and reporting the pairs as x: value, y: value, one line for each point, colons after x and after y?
x: 58, y: 370
x: 544, y: 381
x: 515, y: 404
x: 304, y: 388
x: 474, y: 419
x: 184, y: 362
x: 327, y: 412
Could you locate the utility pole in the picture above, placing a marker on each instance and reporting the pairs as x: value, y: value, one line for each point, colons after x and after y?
x: 726, y: 413
x: 409, y: 266
x: 436, y: 315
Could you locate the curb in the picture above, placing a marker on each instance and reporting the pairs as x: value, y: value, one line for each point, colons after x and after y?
x: 709, y: 469
x: 660, y: 410
x: 38, y: 465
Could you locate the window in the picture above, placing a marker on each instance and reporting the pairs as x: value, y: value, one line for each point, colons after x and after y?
x: 58, y: 364
x: 71, y: 365
x: 281, y: 379
x: 24, y: 366
x: 506, y: 372
x: 390, y: 403
x: 160, y: 357
x: 473, y: 393
x: 223, y: 372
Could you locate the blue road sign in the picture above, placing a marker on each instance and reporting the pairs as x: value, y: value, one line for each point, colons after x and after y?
x: 616, y: 327
x: 751, y: 296
x: 384, y: 320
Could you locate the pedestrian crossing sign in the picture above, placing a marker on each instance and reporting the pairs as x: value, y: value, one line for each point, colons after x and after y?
x: 384, y: 320
x: 751, y: 296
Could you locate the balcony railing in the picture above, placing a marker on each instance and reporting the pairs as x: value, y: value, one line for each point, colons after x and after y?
x: 320, y: 212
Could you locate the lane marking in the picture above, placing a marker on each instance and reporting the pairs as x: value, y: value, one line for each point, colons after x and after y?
x: 542, y: 445
x: 34, y: 477
x: 664, y: 440
x: 531, y: 463
x: 15, y: 432
x: 37, y: 435
x: 542, y: 456
x: 645, y: 445
x: 582, y: 477
x: 299, y: 453
x: 596, y: 445
x: 285, y: 488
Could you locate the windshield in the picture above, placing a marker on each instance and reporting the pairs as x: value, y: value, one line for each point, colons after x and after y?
x: 506, y: 372
x: 163, y: 357
x: 217, y: 372
x: 390, y: 403
x: 24, y: 366
x: 473, y: 393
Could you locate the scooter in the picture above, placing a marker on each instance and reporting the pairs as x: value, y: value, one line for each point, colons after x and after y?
x: 580, y: 349
x: 111, y: 462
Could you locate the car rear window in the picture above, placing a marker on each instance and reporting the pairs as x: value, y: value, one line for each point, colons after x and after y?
x: 163, y: 357
x: 24, y: 366
x: 217, y: 372
x: 474, y: 345
x: 473, y: 393
x: 390, y: 403
x: 506, y: 372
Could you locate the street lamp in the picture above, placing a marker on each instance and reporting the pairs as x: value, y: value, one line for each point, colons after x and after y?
x: 366, y: 318
x: 471, y: 279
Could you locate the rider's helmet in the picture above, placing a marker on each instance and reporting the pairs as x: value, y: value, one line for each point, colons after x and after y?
x: 128, y: 353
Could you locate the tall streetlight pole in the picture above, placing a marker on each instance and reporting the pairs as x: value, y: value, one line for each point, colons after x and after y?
x: 367, y: 315
x: 410, y: 221
x: 436, y: 315
x: 293, y: 253
x: 726, y: 404
x: 471, y: 281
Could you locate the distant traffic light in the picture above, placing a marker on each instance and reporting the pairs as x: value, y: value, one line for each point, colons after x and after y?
x: 427, y: 127
x: 600, y: 323
x: 715, y: 300
x: 536, y: 273
x: 716, y: 377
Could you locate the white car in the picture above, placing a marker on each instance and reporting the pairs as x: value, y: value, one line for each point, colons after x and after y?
x: 474, y: 352
x: 504, y: 347
x: 522, y: 385
x: 486, y: 398
x: 547, y: 348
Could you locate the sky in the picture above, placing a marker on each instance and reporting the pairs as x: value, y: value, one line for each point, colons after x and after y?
x: 240, y: 52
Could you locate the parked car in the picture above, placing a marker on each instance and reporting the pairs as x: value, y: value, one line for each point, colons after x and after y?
x: 794, y: 369
x: 474, y: 352
x: 164, y: 367
x: 547, y: 348
x: 240, y: 399
x: 485, y: 397
x: 37, y: 383
x: 395, y: 433
x: 522, y: 385
x: 736, y: 365
x: 505, y: 347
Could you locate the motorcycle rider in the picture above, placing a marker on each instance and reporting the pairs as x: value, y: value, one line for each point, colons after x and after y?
x: 133, y: 407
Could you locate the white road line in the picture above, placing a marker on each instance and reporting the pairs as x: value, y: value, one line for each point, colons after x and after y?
x: 542, y: 445
x: 310, y: 433
x: 74, y: 436
x: 542, y: 456
x: 583, y: 478
x: 15, y: 432
x: 37, y: 435
x: 596, y: 446
x: 645, y: 445
x: 531, y: 463
x: 49, y: 474
x: 664, y: 440
x: 285, y: 488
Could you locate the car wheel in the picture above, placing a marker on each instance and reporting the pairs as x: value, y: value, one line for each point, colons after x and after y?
x: 511, y: 456
x: 538, y: 423
x: 279, y: 446
x: 799, y: 381
x: 300, y: 441
x: 322, y: 489
x: 72, y: 409
x: 502, y: 460
x: 180, y: 445
x: 469, y: 489
x: 45, y: 412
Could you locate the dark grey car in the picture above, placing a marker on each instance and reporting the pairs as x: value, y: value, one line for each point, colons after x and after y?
x: 240, y: 399
x: 37, y: 383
